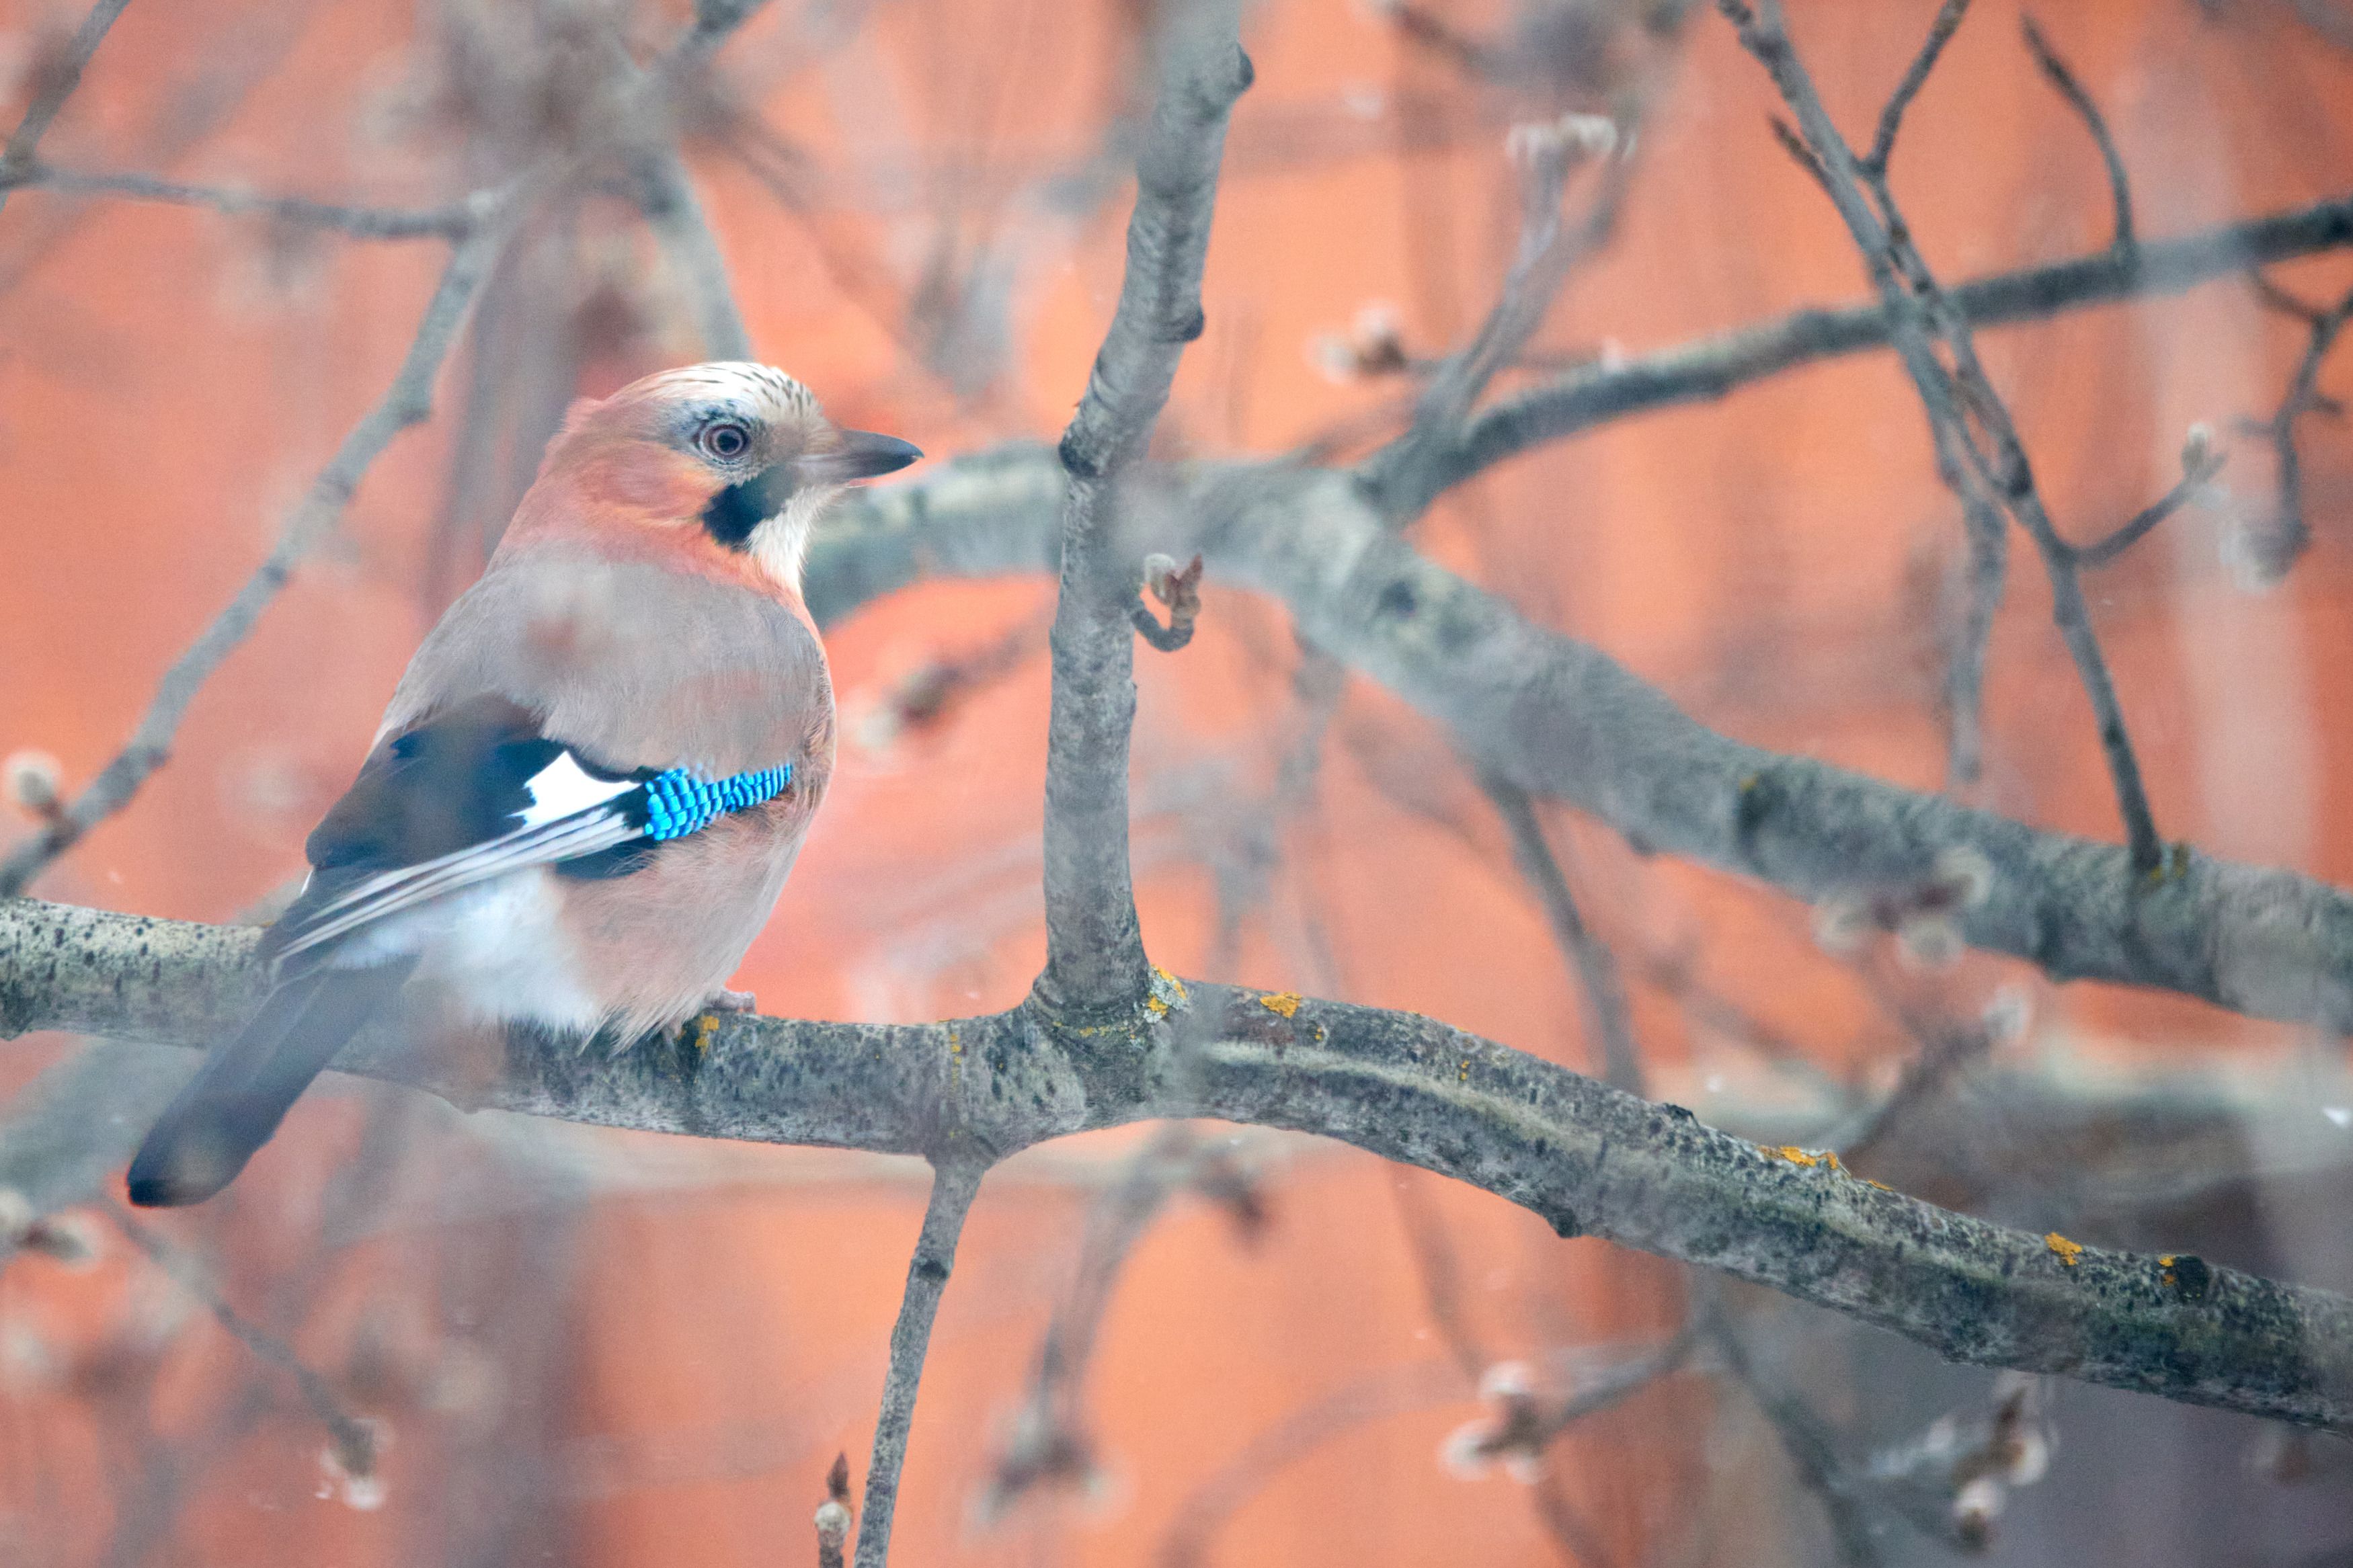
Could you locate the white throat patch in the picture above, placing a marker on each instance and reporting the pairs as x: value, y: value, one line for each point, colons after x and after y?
x: 780, y: 544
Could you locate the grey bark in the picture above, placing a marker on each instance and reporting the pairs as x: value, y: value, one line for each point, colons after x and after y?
x: 1701, y: 372
x: 1095, y: 952
x: 954, y: 1185
x: 1589, y: 1160
x: 1560, y: 717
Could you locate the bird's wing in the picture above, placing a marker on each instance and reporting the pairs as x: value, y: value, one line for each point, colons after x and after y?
x: 476, y: 791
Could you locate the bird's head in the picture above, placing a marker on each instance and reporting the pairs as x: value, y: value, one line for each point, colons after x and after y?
x: 728, y: 458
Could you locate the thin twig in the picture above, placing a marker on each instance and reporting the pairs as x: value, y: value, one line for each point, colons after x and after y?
x: 406, y: 401
x: 451, y: 220
x: 2055, y: 70
x: 354, y: 1441
x: 1987, y: 532
x: 1400, y: 1391
x: 1572, y: 1535
x: 1596, y: 969
x: 1716, y: 367
x: 1613, y: 1386
x: 1916, y: 77
x: 63, y: 75
x: 1440, y: 1278
x: 2277, y: 547
x: 1549, y: 249
x: 666, y: 196
x: 2200, y: 461
x: 2286, y: 301
x: 1050, y: 1441
x: 1961, y: 402
x: 1812, y: 1449
x: 953, y: 1183
x: 1946, y: 1049
x: 1545, y: 155
x: 1441, y: 1286
x: 1253, y: 848
x: 1094, y: 953
x: 1179, y: 588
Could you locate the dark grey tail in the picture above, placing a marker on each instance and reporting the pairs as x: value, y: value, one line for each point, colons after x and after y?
x: 242, y: 1092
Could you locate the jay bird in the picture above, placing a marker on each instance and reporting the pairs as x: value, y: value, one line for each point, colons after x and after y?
x: 593, y: 779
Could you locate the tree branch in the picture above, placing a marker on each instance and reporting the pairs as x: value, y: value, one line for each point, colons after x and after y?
x: 1395, y: 1391
x: 63, y: 75
x: 1965, y: 414
x: 1587, y: 1158
x: 666, y: 196
x: 1549, y: 247
x: 1596, y: 970
x: 2199, y: 463
x: 1716, y: 367
x: 1561, y: 718
x: 2055, y: 70
x: 1916, y: 77
x: 353, y: 1440
x: 1094, y: 953
x: 953, y: 1183
x: 1050, y: 1440
x: 1811, y: 1451
x: 406, y: 401
x: 451, y: 220
x: 2276, y: 547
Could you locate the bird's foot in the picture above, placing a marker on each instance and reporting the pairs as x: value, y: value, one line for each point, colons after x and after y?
x: 725, y: 1001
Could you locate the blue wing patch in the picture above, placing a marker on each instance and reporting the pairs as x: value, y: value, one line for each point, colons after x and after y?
x: 479, y: 792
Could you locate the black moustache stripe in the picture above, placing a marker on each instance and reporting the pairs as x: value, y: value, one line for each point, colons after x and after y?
x: 730, y: 516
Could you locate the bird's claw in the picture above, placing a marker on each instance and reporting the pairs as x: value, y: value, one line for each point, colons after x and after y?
x: 725, y: 1001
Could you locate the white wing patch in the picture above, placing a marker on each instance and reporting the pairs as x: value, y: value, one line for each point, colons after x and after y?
x: 563, y: 789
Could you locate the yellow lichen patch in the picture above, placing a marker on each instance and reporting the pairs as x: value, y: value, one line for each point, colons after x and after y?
x: 2165, y: 1270
x: 1463, y: 1073
x: 704, y: 1028
x: 1171, y: 981
x: 2070, y: 1252
x: 1791, y: 1152
x: 1882, y: 1186
x: 1285, y: 1003
x: 955, y: 1042
x: 1832, y: 1157
x: 1155, y: 1006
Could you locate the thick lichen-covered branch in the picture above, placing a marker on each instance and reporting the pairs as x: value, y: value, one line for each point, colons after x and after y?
x: 1588, y: 1159
x: 1560, y: 717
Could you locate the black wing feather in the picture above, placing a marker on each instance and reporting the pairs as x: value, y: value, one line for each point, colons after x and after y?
x: 439, y: 807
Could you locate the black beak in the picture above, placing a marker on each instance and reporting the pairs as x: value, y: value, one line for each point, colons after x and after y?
x: 857, y: 454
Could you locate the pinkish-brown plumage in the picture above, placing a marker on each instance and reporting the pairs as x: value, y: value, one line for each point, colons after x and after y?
x: 642, y: 616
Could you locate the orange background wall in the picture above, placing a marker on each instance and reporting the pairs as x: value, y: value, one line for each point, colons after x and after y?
x: 665, y: 1345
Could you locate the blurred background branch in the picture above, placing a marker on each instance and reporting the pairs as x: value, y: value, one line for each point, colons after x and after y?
x: 1709, y: 860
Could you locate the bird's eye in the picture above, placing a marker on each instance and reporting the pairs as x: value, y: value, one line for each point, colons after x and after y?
x: 724, y: 439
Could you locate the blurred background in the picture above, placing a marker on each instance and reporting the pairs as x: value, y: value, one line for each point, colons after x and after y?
x: 570, y: 1346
